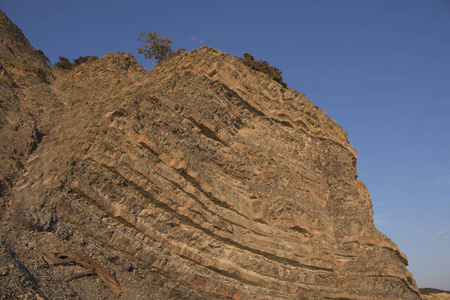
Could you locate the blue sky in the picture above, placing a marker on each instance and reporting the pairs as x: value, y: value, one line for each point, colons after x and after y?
x: 380, y: 68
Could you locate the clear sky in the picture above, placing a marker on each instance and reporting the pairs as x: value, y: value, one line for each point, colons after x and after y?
x: 380, y: 68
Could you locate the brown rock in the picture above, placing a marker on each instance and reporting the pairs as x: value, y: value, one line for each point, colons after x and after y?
x: 211, y: 175
x: 23, y: 99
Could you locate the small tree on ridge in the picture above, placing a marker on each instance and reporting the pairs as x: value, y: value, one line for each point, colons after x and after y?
x: 156, y: 48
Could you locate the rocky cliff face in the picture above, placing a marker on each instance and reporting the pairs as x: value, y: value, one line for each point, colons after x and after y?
x: 20, y: 96
x: 198, y: 179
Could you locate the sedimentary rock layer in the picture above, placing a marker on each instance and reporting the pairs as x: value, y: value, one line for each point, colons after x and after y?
x: 213, y: 174
x: 199, y: 179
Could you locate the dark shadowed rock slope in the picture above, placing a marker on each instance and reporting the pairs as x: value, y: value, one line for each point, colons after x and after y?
x: 199, y: 179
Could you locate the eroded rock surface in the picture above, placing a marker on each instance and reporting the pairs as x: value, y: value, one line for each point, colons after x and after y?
x: 210, y: 175
x: 25, y: 97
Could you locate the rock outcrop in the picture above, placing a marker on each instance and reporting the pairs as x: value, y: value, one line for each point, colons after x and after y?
x: 207, y: 173
x: 24, y: 98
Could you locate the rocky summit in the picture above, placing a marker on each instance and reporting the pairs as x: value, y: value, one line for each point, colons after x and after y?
x: 198, y: 179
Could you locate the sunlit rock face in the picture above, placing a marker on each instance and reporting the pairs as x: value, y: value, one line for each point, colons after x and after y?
x: 213, y: 176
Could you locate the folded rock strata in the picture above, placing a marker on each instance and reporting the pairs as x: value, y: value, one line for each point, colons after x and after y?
x: 212, y: 174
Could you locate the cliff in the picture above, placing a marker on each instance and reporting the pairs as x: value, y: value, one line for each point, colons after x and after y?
x: 198, y: 179
x: 21, y: 100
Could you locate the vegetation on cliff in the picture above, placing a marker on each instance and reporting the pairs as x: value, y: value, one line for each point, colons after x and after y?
x: 65, y: 64
x: 156, y: 47
x: 431, y: 291
x: 263, y: 66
